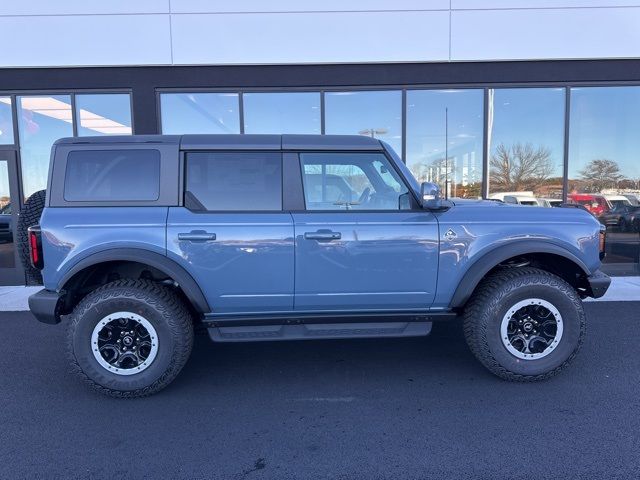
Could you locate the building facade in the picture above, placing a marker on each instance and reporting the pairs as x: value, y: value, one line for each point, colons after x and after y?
x: 515, y: 100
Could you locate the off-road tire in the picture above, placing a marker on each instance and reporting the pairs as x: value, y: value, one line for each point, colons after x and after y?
x: 29, y: 216
x: 158, y: 305
x: 491, y: 301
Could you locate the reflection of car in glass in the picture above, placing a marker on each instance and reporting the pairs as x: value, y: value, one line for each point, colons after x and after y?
x: 624, y: 216
x: 5, y: 224
x: 617, y: 200
x: 528, y: 201
x: 633, y: 198
x: 553, y: 202
x: 501, y: 195
x: 595, y: 204
x: 236, y: 235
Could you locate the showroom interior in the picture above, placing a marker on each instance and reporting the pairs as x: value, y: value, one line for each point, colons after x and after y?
x: 563, y: 130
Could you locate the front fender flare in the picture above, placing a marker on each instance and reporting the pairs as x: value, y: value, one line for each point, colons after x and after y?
x: 489, y: 260
x: 170, y: 268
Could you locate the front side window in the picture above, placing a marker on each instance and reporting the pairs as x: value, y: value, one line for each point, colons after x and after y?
x: 242, y: 181
x: 112, y: 176
x: 352, y: 181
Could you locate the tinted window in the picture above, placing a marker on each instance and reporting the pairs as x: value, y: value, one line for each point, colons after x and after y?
x: 526, y: 141
x: 351, y: 181
x: 112, y: 175
x: 444, y: 139
x: 374, y: 114
x: 200, y: 113
x: 103, y: 114
x: 235, y: 181
x: 41, y: 121
x: 285, y: 112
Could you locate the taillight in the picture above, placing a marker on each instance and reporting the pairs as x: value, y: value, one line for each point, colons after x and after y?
x: 35, y: 247
x: 603, y: 241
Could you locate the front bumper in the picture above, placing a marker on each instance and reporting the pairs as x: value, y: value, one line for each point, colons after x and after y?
x: 598, y: 284
x: 46, y: 305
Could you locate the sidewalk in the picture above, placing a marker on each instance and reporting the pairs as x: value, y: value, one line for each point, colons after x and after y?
x: 623, y: 289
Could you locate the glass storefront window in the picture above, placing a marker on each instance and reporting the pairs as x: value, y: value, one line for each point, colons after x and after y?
x: 526, y: 143
x: 6, y: 122
x: 41, y: 121
x: 6, y: 227
x: 286, y: 112
x: 444, y: 139
x: 376, y: 114
x: 103, y: 114
x: 199, y: 113
x: 604, y: 171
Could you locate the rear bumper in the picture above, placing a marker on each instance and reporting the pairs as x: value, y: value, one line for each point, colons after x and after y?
x: 45, y: 306
x: 598, y: 284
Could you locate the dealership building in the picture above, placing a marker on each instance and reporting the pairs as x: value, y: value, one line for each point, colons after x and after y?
x: 508, y: 99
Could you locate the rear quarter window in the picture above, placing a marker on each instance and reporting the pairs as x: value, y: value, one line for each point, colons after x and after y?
x: 112, y: 175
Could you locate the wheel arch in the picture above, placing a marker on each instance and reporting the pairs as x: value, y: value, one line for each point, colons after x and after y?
x: 544, y: 255
x: 135, y: 256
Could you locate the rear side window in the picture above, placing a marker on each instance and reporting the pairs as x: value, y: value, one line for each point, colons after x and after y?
x: 249, y: 181
x: 112, y: 176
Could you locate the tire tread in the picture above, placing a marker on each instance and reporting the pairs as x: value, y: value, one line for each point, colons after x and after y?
x: 485, y: 295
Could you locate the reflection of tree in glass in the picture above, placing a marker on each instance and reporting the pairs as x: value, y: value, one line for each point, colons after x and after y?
x: 599, y: 174
x: 519, y: 167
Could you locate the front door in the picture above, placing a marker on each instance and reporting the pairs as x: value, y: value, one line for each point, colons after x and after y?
x: 11, y: 272
x: 361, y: 243
x: 232, y: 235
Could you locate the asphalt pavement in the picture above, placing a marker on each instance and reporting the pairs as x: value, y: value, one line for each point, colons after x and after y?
x: 356, y: 409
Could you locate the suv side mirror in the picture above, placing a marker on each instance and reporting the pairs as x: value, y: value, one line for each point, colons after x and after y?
x: 430, y: 196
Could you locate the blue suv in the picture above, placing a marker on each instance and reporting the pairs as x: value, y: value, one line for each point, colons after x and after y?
x: 286, y: 237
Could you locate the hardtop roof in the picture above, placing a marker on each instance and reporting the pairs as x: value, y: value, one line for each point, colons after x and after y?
x: 237, y: 141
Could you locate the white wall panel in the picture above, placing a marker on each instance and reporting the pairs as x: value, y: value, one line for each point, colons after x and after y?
x: 491, y: 4
x: 222, y: 6
x: 545, y: 34
x: 85, y: 40
x: 81, y: 7
x: 306, y: 38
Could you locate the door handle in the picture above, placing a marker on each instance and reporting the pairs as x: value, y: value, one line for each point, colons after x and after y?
x: 197, y: 236
x: 323, y: 235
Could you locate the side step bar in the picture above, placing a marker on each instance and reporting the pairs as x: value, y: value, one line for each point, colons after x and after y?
x: 322, y: 326
x: 319, y: 331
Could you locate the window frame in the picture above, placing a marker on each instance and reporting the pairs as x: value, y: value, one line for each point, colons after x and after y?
x: 183, y: 181
x: 168, y: 194
x: 157, y: 155
x: 414, y: 205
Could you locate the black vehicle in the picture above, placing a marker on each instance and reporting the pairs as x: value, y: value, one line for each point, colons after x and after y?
x: 623, y: 216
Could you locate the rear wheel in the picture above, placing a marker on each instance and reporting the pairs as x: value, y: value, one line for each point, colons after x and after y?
x: 130, y: 338
x: 524, y: 324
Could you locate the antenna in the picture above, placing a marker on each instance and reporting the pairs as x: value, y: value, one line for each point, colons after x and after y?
x: 446, y: 153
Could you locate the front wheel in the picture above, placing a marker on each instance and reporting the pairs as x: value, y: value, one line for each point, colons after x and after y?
x: 130, y: 338
x: 524, y: 324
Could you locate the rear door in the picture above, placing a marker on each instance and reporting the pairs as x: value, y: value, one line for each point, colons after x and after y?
x: 231, y: 233
x: 361, y: 243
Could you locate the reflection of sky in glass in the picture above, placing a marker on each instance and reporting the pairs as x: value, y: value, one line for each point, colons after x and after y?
x: 529, y: 115
x: 41, y: 121
x: 276, y: 113
x: 199, y: 113
x: 6, y: 122
x: 103, y: 114
x: 605, y: 125
x: 426, y: 137
x: 4, y: 182
x: 350, y: 113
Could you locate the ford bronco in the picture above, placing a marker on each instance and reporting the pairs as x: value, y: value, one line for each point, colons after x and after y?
x: 286, y: 237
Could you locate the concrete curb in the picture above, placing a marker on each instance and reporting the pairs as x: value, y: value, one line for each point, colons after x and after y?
x: 623, y: 289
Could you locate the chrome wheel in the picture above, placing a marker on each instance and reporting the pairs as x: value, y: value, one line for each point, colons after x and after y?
x: 124, y: 343
x: 531, y: 329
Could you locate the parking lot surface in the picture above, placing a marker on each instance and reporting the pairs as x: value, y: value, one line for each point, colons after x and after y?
x: 355, y: 409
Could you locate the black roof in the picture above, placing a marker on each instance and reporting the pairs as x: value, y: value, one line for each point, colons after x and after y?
x: 238, y: 142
